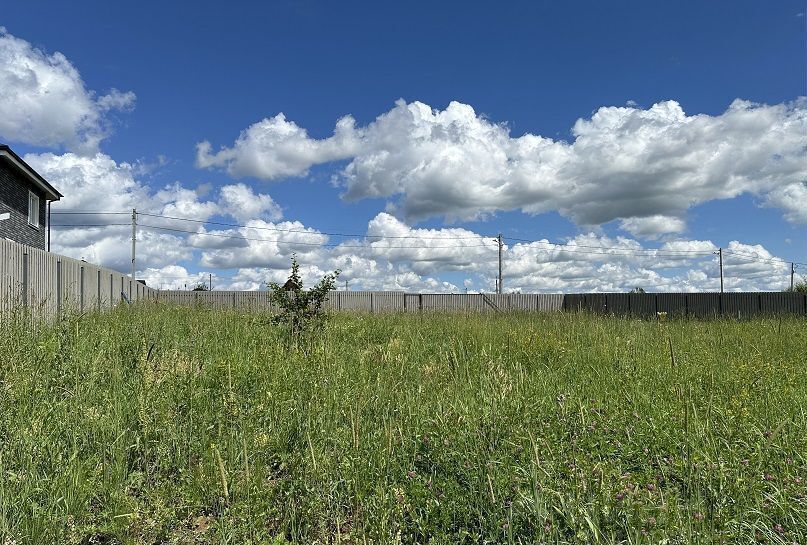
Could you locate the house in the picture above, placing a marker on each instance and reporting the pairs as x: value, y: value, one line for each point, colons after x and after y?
x: 24, y: 216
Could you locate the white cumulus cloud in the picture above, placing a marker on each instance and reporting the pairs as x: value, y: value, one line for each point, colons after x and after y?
x: 645, y: 167
x: 44, y: 102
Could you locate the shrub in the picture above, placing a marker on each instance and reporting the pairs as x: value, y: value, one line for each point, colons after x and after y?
x: 800, y: 287
x: 301, y: 310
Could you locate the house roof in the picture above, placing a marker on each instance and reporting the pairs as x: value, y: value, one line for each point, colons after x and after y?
x: 50, y: 192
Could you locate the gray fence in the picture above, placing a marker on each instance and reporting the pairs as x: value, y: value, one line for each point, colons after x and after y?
x: 49, y: 283
x: 376, y: 301
x: 693, y: 305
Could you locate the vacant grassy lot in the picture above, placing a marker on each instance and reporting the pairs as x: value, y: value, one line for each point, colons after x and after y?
x: 169, y: 425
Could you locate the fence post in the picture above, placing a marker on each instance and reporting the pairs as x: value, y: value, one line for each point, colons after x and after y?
x: 98, y: 290
x: 58, y: 288
x: 371, y: 303
x: 25, y: 279
x: 81, y: 289
x: 339, y: 300
x: 420, y: 302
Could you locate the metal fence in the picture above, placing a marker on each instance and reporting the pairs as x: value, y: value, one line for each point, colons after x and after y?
x: 376, y: 301
x: 49, y: 284
x: 692, y: 305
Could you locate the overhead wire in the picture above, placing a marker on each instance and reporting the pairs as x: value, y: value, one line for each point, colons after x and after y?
x: 300, y: 243
x: 560, y: 247
x: 329, y: 233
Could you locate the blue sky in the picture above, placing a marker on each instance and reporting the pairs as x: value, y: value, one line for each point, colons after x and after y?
x: 206, y: 73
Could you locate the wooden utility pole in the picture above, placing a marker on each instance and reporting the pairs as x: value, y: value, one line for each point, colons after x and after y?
x: 134, y: 238
x: 792, y: 275
x: 210, y: 281
x: 720, y: 257
x: 499, y: 284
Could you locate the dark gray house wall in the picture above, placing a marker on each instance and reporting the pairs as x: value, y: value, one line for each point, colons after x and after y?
x: 14, y: 187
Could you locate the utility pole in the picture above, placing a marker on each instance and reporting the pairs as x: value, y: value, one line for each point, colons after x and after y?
x: 134, y: 238
x: 792, y: 274
x: 210, y: 281
x: 720, y: 257
x: 498, y: 240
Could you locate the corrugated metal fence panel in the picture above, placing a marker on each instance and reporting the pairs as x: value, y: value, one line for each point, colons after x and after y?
x: 548, y: 302
x: 595, y: 302
x: 412, y: 302
x: 642, y: 304
x: 11, y: 267
x: 57, y: 283
x: 674, y: 304
x: 782, y: 303
x: 703, y: 305
x: 523, y: 302
x: 740, y: 305
x: 618, y: 304
x: 355, y: 300
x: 574, y: 302
x: 388, y: 301
x: 440, y: 302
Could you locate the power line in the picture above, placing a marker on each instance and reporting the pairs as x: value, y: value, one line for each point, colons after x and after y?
x: 762, y: 259
x: 90, y: 213
x: 90, y: 224
x: 299, y: 243
x: 560, y: 247
x: 329, y: 233
x: 649, y: 250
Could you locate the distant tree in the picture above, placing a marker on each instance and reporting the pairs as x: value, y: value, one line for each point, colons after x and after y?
x: 301, y: 310
x: 637, y: 289
x: 201, y: 287
x: 799, y: 287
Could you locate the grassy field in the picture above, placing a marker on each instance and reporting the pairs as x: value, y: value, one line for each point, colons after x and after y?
x: 171, y: 425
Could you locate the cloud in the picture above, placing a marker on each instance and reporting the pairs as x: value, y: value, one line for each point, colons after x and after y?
x: 276, y: 148
x: 97, y: 183
x: 645, y: 167
x: 414, y: 259
x: 240, y: 202
x: 652, y: 226
x: 43, y: 100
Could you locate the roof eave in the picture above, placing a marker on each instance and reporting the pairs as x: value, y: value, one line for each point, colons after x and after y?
x: 51, y: 194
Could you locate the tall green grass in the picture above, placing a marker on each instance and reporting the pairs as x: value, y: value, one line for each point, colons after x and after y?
x: 174, y: 425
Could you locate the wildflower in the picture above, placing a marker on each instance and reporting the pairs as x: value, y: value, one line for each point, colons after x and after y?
x: 651, y: 487
x: 698, y: 516
x: 651, y: 521
x: 769, y: 477
x: 767, y: 434
x: 411, y: 474
x: 745, y: 462
x: 399, y: 495
x: 620, y: 496
x: 779, y: 529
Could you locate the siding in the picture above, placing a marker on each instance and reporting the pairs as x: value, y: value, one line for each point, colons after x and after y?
x: 14, y: 200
